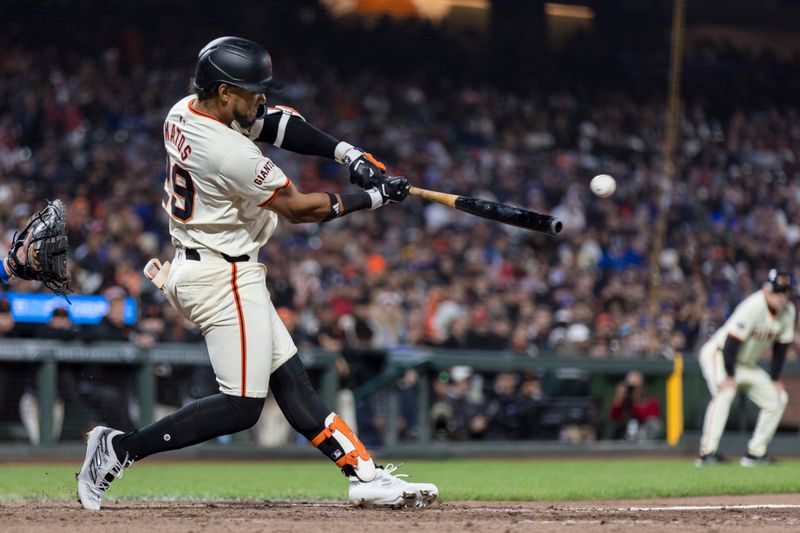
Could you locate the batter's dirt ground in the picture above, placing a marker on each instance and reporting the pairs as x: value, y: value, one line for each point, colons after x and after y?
x: 728, y: 514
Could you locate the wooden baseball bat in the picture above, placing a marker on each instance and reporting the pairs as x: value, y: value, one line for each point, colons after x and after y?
x: 505, y: 214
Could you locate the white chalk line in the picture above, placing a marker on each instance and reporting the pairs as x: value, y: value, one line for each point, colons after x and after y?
x: 713, y: 507
x: 523, y: 511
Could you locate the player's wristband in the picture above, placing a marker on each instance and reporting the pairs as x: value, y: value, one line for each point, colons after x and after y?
x: 376, y: 197
x: 5, y: 275
x: 345, y: 153
x: 335, y: 209
x: 369, y: 199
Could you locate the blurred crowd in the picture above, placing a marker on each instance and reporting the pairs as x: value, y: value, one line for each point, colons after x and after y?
x: 86, y: 128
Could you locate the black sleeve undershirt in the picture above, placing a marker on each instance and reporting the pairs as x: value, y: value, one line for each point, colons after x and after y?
x: 300, y: 136
x: 778, y: 358
x: 729, y: 354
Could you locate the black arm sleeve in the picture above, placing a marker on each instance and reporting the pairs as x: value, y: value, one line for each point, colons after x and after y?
x: 299, y: 137
x: 778, y: 358
x: 729, y: 354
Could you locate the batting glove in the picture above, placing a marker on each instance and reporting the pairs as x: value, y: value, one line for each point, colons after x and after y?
x: 391, y: 189
x: 365, y: 170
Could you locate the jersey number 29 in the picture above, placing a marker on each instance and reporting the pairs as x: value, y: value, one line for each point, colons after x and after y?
x: 178, y: 192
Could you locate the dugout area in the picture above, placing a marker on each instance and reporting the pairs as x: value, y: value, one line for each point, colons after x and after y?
x: 50, y: 380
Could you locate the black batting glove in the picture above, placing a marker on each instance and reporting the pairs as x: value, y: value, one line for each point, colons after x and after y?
x: 366, y: 171
x: 393, y: 188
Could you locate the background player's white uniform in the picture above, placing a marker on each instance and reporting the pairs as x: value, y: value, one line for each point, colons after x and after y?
x: 753, y: 323
x: 218, y: 184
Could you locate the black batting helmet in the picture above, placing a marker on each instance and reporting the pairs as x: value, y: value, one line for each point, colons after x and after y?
x: 235, y: 61
x: 779, y: 280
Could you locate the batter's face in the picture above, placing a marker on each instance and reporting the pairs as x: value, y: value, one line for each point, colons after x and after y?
x: 244, y: 105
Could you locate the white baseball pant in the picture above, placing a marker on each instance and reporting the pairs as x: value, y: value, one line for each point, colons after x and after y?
x: 756, y: 384
x: 229, y: 302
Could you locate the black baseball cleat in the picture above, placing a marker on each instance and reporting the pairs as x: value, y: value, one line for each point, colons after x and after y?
x: 710, y: 459
x: 752, y: 460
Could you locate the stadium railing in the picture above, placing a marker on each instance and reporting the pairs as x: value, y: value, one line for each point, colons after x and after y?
x: 595, y: 378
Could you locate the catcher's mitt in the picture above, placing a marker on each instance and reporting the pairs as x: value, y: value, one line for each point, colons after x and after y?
x: 39, y: 250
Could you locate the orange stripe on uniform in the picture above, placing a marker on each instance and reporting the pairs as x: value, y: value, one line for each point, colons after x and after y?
x: 198, y: 112
x: 242, y: 332
x: 269, y: 200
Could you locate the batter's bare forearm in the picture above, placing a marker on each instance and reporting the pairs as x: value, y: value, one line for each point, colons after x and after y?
x: 336, y: 205
x: 299, y: 207
x: 314, y: 207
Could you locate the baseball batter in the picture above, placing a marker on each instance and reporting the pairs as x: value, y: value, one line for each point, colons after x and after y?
x: 729, y: 362
x: 224, y: 197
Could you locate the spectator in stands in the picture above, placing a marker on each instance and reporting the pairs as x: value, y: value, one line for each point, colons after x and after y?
x: 532, y: 401
x: 10, y: 373
x: 456, y: 412
x: 457, y: 333
x: 503, y: 408
x: 108, y: 388
x: 60, y: 327
x: 481, y: 335
x: 635, y: 414
x: 7, y: 321
x: 408, y: 395
x: 301, y: 338
x: 151, y: 325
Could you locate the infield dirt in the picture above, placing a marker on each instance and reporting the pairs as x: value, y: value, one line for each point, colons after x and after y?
x: 753, y: 514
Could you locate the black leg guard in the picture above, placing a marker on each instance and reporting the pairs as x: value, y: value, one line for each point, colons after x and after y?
x: 199, y: 421
x: 309, y: 416
x: 299, y: 402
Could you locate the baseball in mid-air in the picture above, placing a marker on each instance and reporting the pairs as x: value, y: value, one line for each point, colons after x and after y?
x: 603, y: 185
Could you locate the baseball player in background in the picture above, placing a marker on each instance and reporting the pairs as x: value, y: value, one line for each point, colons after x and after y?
x: 729, y: 362
x: 223, y: 197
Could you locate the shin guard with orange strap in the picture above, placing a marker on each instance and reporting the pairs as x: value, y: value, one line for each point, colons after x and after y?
x: 338, y: 442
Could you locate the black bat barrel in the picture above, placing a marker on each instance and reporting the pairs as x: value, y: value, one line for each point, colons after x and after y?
x: 507, y: 214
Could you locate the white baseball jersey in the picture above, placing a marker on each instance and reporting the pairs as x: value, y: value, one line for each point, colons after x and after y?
x: 753, y: 323
x: 218, y: 183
